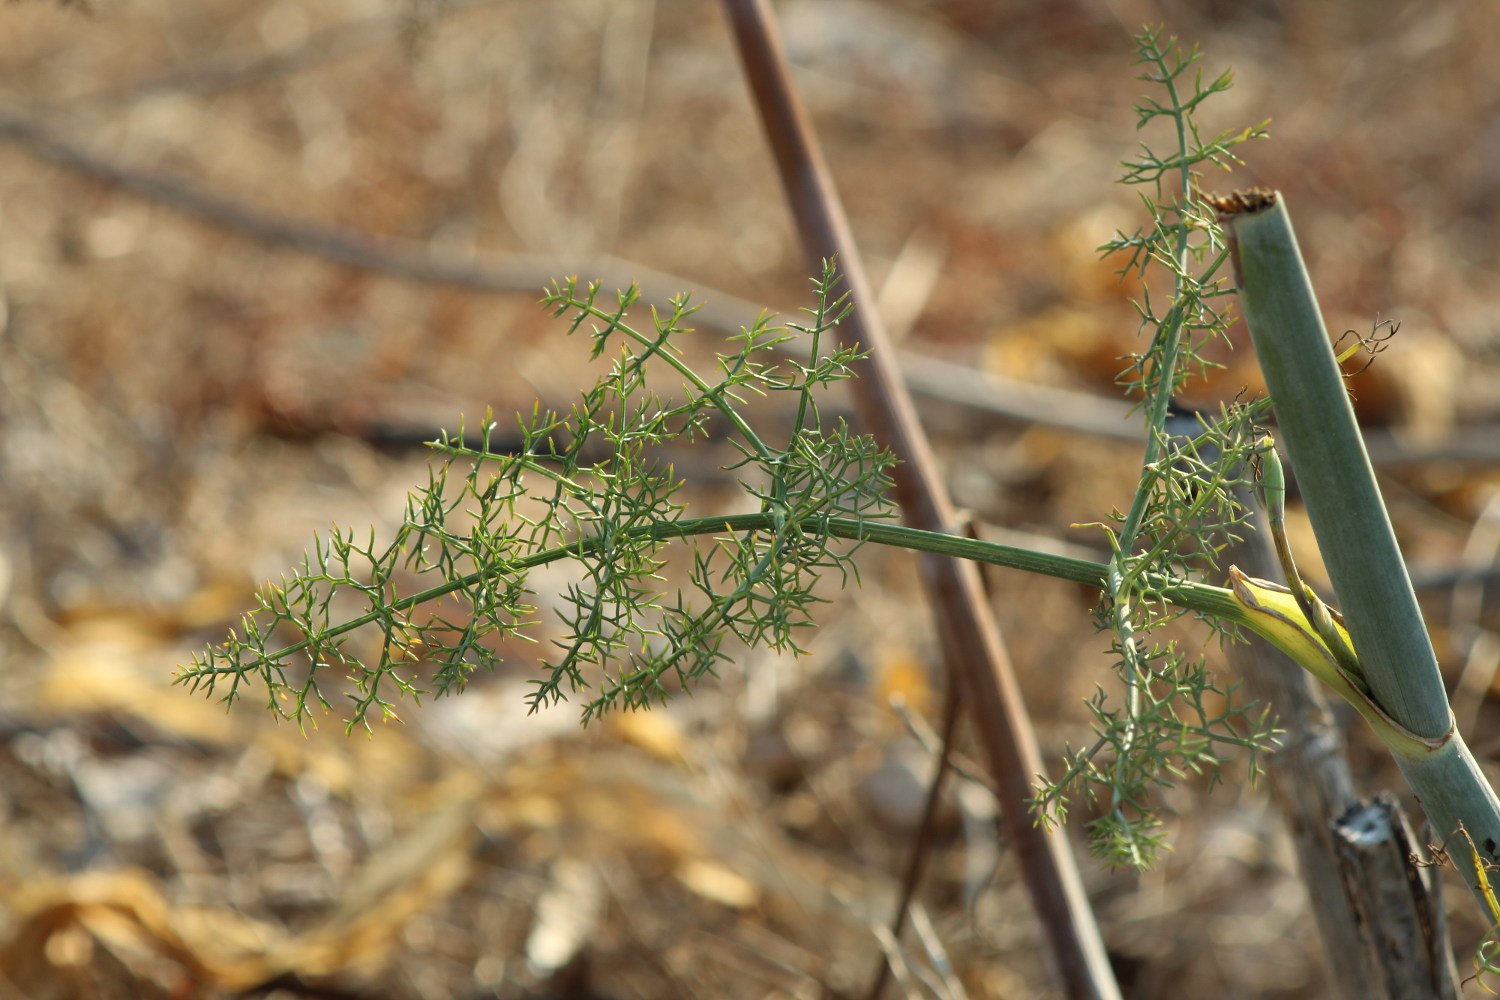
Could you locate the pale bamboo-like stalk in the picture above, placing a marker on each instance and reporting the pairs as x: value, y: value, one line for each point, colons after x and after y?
x: 1317, y: 428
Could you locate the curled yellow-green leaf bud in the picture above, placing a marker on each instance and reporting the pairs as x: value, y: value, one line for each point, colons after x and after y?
x: 1273, y: 612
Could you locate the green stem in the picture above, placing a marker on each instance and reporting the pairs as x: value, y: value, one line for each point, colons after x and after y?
x: 682, y: 368
x: 1169, y: 337
x: 1198, y: 597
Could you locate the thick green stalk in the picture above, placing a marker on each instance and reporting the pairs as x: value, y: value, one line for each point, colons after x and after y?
x: 1318, y: 430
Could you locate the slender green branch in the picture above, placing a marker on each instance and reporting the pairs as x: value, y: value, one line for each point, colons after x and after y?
x: 1200, y: 598
x: 564, y: 297
x: 1184, y: 506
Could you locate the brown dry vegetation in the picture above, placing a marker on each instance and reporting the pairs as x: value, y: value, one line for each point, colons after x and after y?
x: 184, y: 404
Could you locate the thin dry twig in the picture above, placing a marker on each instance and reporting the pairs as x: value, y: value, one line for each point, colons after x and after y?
x: 932, y: 741
x: 971, y: 641
x: 921, y: 845
x: 514, y: 272
x: 980, y: 393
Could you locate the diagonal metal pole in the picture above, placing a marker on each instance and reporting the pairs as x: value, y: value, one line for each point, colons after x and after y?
x: 976, y: 659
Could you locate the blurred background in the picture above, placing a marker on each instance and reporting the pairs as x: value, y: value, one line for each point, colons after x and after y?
x: 254, y: 252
